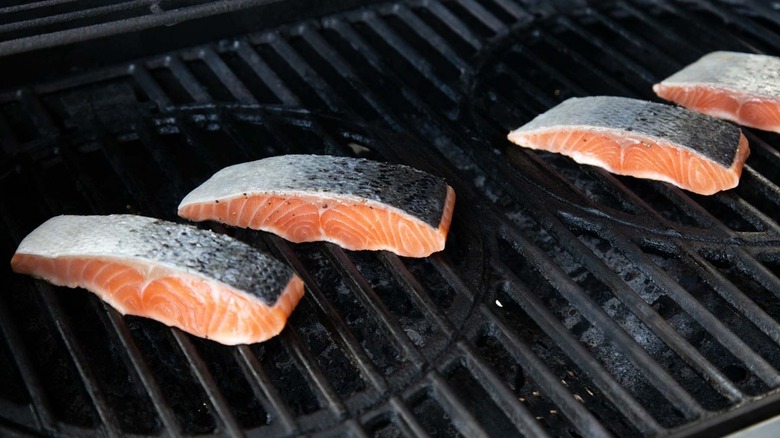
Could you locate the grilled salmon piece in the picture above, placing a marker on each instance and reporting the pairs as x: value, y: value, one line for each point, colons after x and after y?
x: 207, y: 284
x: 741, y: 87
x: 642, y: 139
x: 355, y: 203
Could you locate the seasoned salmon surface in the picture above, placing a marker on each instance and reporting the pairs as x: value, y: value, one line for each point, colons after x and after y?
x: 355, y: 203
x: 207, y: 284
x: 642, y: 139
x: 741, y: 87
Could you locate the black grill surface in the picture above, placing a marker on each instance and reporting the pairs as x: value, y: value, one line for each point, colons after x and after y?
x: 568, y: 301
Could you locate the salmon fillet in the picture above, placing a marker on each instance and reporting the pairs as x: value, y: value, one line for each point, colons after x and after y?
x: 204, y: 283
x: 355, y: 203
x: 642, y: 139
x: 741, y: 87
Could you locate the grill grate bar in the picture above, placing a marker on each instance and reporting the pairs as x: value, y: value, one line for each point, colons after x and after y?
x: 553, y: 73
x: 746, y: 24
x: 652, y: 22
x: 195, y: 139
x: 428, y: 34
x: 769, y: 189
x: 575, y: 411
x: 409, y: 422
x: 167, y: 417
x: 226, y: 75
x: 452, y: 405
x: 517, y: 413
x: 265, y: 73
x: 760, y: 273
x: 264, y: 389
x: 370, y: 300
x: 356, y: 351
x: 621, y: 399
x: 605, y: 47
x: 72, y: 16
x: 410, y: 54
x: 732, y: 295
x: 21, y: 357
x: 480, y: 13
x: 315, y: 40
x: 107, y: 418
x: 355, y: 429
x: 186, y: 79
x: 512, y: 8
x: 305, y: 71
x: 722, y: 41
x: 415, y: 101
x: 656, y: 375
x: 312, y: 372
x: 641, y: 309
x: 417, y: 292
x: 206, y: 380
x: 639, y: 42
x: 137, y: 23
x: 163, y: 160
x: 149, y: 85
x: 365, y: 50
x: 43, y: 417
x: 544, y: 99
x: 32, y: 5
x: 704, y: 317
x: 453, y: 22
x: 581, y: 61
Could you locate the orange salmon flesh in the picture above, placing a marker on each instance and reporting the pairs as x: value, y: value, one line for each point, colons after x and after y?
x: 725, y: 104
x: 351, y: 225
x: 194, y: 304
x: 642, y: 159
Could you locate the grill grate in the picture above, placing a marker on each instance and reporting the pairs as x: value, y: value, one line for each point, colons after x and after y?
x: 568, y: 302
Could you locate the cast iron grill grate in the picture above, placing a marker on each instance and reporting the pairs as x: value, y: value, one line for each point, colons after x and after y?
x: 568, y: 301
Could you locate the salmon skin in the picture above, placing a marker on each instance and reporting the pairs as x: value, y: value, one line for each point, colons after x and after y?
x: 642, y: 139
x: 355, y: 203
x: 741, y: 87
x: 207, y: 284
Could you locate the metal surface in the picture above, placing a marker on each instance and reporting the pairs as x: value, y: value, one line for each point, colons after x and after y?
x: 568, y: 301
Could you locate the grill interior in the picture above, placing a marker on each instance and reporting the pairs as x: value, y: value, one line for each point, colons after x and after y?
x: 568, y: 302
